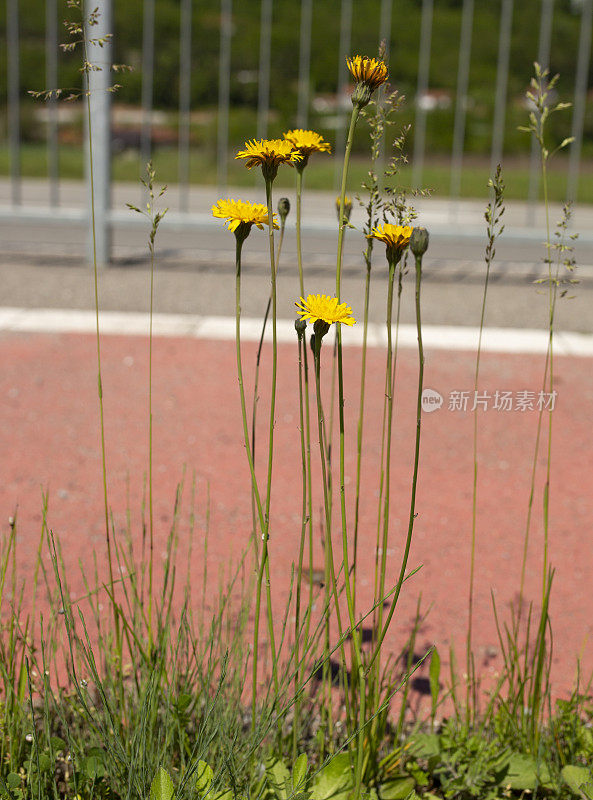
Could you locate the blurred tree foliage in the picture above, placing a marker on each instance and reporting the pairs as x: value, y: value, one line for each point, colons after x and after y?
x: 403, y: 49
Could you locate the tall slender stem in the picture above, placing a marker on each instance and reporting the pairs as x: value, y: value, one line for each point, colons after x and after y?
x: 412, y: 516
x: 387, y: 480
x: 99, y: 375
x: 330, y: 574
x: 254, y: 486
x: 360, y: 424
x: 265, y: 564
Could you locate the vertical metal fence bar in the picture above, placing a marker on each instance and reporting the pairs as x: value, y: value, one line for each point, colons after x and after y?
x: 343, y: 48
x: 263, y: 93
x: 543, y: 59
x: 465, y: 45
x: 580, y: 96
x: 98, y: 83
x: 147, y: 84
x: 422, y: 87
x: 384, y: 36
x: 51, y: 82
x: 502, y: 79
x: 385, y: 26
x: 184, y: 101
x: 14, y: 112
x: 224, y: 81
x: 304, y: 63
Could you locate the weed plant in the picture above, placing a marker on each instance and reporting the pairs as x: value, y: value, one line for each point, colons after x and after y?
x: 154, y: 699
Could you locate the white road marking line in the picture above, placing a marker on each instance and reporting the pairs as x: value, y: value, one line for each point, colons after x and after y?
x: 438, y: 337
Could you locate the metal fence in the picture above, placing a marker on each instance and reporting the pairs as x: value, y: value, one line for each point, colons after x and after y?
x: 100, y: 97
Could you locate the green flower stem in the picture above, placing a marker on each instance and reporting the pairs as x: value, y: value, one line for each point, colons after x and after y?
x: 309, y: 511
x: 299, y: 192
x: 342, y: 223
x: 412, y: 516
x: 257, y: 363
x: 254, y: 486
x: 330, y: 575
x: 297, y: 618
x: 265, y: 565
x: 365, y: 329
x: 387, y: 479
x: 355, y: 633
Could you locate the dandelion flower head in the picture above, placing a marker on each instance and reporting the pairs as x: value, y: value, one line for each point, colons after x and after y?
x: 395, y: 237
x: 325, y: 308
x: 372, y: 72
x: 307, y: 142
x: 236, y: 212
x: 269, y: 154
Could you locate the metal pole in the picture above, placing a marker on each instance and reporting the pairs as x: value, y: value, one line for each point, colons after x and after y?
x: 385, y: 27
x: 147, y: 85
x: 184, y: 101
x: 423, y: 76
x: 384, y: 36
x: 344, y: 47
x: 502, y: 79
x: 14, y: 113
x: 304, y: 63
x: 263, y: 95
x: 580, y: 96
x: 224, y: 80
x: 465, y: 44
x: 99, y: 131
x: 543, y: 59
x: 51, y: 80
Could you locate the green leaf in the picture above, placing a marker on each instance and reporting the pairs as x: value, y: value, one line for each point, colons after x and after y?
x: 183, y: 702
x: 13, y: 780
x: 204, y: 777
x: 299, y: 772
x: 162, y: 786
x: 58, y: 744
x: 523, y: 773
x: 334, y: 780
x: 575, y: 776
x: 587, y: 791
x: 425, y: 745
x: 397, y: 789
x: 278, y: 777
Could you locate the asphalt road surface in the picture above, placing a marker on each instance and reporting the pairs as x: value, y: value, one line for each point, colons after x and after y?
x: 43, y: 261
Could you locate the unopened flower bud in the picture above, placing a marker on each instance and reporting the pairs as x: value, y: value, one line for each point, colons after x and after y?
x: 320, y: 327
x: 283, y: 208
x: 361, y: 96
x: 419, y: 241
x: 300, y: 326
x: 347, y: 208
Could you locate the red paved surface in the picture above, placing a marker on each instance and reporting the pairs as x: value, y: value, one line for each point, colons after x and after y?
x: 49, y: 438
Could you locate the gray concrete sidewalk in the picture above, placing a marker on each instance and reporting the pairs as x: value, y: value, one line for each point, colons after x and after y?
x: 43, y: 260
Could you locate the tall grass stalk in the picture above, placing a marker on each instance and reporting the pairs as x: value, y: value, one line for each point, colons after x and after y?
x: 493, y: 215
x: 418, y: 245
x: 540, y: 96
x: 87, y: 68
x: 154, y: 218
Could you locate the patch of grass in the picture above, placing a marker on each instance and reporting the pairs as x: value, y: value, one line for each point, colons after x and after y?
x: 436, y: 175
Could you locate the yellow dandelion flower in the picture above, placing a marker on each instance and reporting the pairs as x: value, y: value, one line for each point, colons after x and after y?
x: 324, y: 308
x: 269, y: 154
x: 307, y: 142
x: 241, y: 212
x: 370, y: 71
x: 395, y: 237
